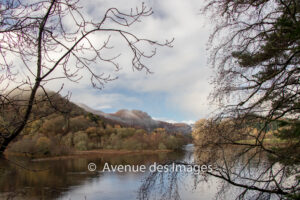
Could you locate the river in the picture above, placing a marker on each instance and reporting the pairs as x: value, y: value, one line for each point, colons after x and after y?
x: 70, y: 179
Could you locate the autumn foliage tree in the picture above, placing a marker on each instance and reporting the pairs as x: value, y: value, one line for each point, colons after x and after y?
x: 255, y: 52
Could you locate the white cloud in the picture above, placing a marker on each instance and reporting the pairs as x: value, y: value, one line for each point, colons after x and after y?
x: 190, y: 122
x: 180, y: 73
x: 100, y: 100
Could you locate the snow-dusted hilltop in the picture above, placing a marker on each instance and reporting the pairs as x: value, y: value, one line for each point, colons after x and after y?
x: 137, y: 118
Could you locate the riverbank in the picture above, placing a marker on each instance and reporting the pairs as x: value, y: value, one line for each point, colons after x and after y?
x: 70, y: 178
x: 99, y: 152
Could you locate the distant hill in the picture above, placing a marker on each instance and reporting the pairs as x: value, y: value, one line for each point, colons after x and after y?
x: 139, y: 119
x: 124, y: 117
x: 60, y: 127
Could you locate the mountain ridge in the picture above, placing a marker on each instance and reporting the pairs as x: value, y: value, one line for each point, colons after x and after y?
x: 138, y: 118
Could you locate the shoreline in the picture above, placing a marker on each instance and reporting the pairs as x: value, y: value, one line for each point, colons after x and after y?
x: 76, y: 154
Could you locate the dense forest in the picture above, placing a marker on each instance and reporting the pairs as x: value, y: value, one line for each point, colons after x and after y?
x: 53, y: 132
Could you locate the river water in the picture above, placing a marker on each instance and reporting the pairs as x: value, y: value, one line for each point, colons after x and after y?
x: 70, y: 179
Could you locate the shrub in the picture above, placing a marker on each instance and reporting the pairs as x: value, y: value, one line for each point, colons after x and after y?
x: 172, y: 142
x: 80, y: 123
x: 140, y: 132
x: 23, y: 146
x: 81, y: 140
x: 67, y: 140
x: 91, y: 145
x: 53, y: 125
x: 57, y: 150
x: 128, y: 144
x: 125, y: 132
x: 43, y: 145
x: 80, y: 136
x: 91, y: 131
x: 115, y: 141
x: 161, y: 146
x: 131, y: 144
x: 81, y: 146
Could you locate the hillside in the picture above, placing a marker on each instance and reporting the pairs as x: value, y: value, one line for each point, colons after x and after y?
x: 139, y: 119
x: 58, y: 127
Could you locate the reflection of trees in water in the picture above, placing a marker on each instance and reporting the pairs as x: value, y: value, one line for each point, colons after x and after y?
x: 63, y: 174
x: 239, y: 166
x: 249, y: 170
x: 235, y: 166
x: 163, y: 185
x: 45, y: 184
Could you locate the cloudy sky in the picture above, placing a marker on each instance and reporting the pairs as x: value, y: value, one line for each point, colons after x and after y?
x: 179, y: 86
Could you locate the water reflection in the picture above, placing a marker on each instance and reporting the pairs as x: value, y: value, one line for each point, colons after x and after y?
x: 70, y: 178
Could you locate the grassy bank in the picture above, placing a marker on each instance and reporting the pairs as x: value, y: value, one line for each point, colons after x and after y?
x: 98, y: 152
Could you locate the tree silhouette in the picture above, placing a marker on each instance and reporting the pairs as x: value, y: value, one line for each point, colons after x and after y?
x: 44, y: 41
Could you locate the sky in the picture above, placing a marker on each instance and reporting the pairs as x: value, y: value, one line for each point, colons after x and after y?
x: 178, y: 89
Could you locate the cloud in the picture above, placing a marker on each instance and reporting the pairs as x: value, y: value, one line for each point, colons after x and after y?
x: 102, y: 101
x: 181, y: 73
